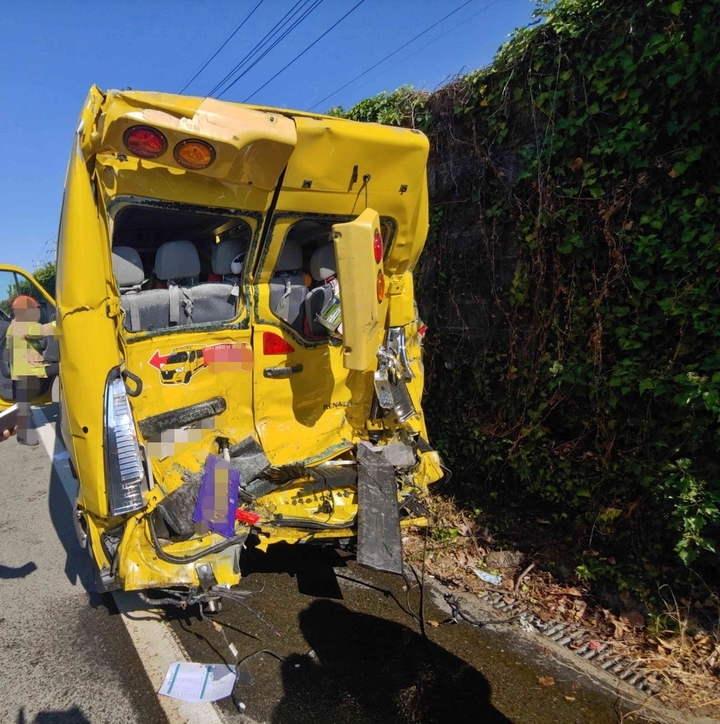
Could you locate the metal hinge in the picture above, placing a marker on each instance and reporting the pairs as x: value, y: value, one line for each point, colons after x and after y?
x: 113, y: 308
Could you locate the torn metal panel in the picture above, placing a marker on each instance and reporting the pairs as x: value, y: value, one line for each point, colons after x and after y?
x: 379, y: 545
x: 249, y: 458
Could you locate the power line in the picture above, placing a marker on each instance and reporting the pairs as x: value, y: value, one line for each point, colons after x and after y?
x: 230, y: 37
x: 295, y: 24
x: 264, y: 40
x: 430, y: 42
x: 299, y: 55
x: 395, y: 52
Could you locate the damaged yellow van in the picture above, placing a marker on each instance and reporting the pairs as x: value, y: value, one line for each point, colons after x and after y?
x: 240, y: 349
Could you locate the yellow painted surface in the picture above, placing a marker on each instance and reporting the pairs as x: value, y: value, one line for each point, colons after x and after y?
x: 349, y: 174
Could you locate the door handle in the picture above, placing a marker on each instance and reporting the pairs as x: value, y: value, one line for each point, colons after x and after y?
x: 282, y: 371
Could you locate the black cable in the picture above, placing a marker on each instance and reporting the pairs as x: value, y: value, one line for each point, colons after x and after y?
x: 395, y: 52
x: 230, y: 37
x: 265, y: 39
x: 283, y: 69
x: 430, y: 42
x: 168, y: 558
x: 312, y: 8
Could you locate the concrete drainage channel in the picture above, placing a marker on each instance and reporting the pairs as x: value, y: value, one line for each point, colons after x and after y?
x: 573, y: 646
x: 577, y: 641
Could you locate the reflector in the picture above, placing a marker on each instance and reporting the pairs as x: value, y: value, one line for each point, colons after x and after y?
x: 194, y: 154
x: 144, y: 141
x: 380, y: 286
x: 377, y: 247
x: 275, y: 344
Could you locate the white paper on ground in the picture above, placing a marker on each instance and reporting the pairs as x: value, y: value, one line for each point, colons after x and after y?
x: 198, y: 682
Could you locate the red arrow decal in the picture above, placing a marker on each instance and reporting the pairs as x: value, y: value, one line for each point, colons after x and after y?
x: 158, y: 360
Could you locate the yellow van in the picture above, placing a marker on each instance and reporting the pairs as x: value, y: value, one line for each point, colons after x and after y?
x: 281, y: 244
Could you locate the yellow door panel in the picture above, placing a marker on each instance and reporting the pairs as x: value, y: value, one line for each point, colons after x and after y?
x: 358, y: 251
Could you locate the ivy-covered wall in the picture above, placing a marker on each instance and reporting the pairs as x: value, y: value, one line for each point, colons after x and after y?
x: 571, y: 279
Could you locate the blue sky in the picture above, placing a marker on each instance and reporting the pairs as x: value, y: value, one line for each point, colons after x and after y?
x: 51, y: 53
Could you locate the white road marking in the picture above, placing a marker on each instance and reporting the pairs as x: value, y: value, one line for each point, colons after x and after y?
x: 156, y: 644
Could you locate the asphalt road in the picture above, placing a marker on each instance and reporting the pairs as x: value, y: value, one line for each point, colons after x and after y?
x: 69, y: 656
x: 65, y: 655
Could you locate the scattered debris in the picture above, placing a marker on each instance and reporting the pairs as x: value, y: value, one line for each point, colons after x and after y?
x: 193, y: 682
x: 485, y: 576
x: 546, y: 680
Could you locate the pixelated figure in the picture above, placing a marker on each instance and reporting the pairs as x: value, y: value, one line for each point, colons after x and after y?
x: 217, y: 498
x: 27, y: 365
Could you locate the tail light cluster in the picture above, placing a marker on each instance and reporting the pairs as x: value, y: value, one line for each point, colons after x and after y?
x: 378, y: 251
x: 148, y: 142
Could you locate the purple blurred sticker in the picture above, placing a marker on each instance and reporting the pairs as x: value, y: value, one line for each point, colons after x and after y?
x: 218, y: 497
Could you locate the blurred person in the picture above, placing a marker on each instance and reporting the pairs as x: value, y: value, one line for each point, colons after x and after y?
x: 27, y: 365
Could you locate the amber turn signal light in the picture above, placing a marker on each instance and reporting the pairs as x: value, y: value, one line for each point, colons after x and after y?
x: 194, y: 154
x: 144, y: 141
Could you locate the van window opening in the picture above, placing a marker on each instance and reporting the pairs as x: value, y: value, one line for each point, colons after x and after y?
x: 173, y: 267
x: 304, y: 282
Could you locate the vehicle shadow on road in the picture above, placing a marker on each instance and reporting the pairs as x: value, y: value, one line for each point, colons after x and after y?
x: 369, y: 669
x: 78, y: 568
x: 313, y: 568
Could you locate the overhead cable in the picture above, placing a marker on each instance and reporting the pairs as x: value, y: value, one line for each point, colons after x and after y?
x: 230, y: 37
x: 294, y: 22
x: 282, y: 37
x: 258, y: 46
x: 299, y: 55
x: 390, y: 55
x: 430, y: 42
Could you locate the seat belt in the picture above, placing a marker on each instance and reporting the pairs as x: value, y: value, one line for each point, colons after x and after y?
x: 176, y: 291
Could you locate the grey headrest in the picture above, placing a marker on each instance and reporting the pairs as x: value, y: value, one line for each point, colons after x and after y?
x: 127, y: 266
x: 177, y: 260
x: 223, y: 254
x: 322, y: 263
x: 290, y: 257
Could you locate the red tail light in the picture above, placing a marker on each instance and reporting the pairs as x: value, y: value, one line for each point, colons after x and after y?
x: 144, y: 141
x: 378, y: 247
x: 275, y: 344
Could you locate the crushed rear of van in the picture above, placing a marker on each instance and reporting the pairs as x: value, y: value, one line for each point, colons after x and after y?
x: 240, y: 344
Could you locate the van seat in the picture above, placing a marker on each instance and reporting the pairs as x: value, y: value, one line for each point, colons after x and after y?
x: 128, y: 268
x: 288, y: 286
x: 175, y: 261
x: 130, y: 275
x: 178, y: 264
x: 215, y: 301
x: 323, y: 268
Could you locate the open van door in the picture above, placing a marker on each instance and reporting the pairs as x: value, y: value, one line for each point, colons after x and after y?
x: 14, y: 282
x: 359, y: 255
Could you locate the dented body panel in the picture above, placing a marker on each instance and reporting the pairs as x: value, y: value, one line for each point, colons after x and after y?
x: 202, y: 371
